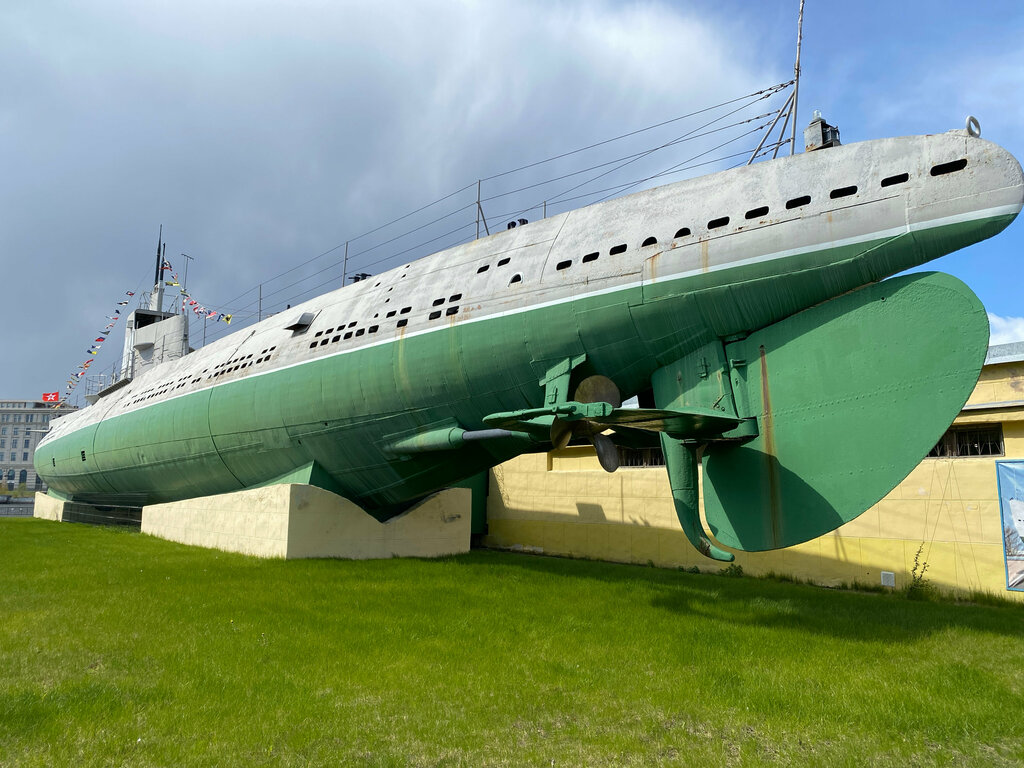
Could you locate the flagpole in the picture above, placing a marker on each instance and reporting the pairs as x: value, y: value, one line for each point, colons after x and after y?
x: 184, y: 287
x: 159, y: 242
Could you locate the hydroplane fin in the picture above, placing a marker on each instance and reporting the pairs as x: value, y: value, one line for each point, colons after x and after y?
x: 688, y: 423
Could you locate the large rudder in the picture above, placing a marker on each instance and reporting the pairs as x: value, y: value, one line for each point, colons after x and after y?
x: 849, y: 396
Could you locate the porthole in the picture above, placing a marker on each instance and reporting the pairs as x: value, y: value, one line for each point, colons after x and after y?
x: 392, y: 313
x: 516, y: 278
x: 438, y: 302
x: 348, y: 334
x: 372, y: 329
x: 649, y: 241
x: 564, y: 264
x: 451, y: 311
x: 402, y: 323
x: 615, y: 250
x: 335, y: 339
x: 405, y: 310
x: 503, y: 262
x: 590, y: 257
x: 484, y: 268
x: 455, y: 297
x: 797, y: 202
x: 899, y: 178
x: 756, y: 213
x: 434, y: 315
x: 843, y: 192
x: 360, y: 332
x: 719, y: 222
x: 943, y: 168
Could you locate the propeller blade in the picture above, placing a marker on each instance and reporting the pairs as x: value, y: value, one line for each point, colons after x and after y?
x: 561, y: 433
x: 598, y: 389
x: 607, y: 453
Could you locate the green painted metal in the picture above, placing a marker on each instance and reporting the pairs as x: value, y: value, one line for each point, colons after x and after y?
x: 442, y: 439
x: 477, y: 484
x: 849, y: 397
x: 681, y: 460
x: 345, y: 412
x: 567, y: 411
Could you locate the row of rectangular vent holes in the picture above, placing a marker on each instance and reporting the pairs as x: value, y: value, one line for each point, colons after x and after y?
x: 755, y: 213
x: 401, y: 323
x: 242, y: 362
x: 346, y: 335
x: 148, y: 394
x: 450, y: 310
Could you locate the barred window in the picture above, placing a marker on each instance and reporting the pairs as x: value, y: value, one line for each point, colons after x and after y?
x: 641, y: 457
x: 970, y: 440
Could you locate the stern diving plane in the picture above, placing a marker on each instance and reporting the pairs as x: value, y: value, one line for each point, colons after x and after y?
x: 749, y: 311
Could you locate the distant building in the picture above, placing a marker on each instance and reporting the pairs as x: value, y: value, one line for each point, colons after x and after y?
x: 22, y: 425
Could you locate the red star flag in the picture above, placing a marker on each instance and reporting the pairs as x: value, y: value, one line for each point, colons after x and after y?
x: 51, y: 397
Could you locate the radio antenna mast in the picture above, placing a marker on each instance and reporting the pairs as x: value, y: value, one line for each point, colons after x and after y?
x: 796, y: 78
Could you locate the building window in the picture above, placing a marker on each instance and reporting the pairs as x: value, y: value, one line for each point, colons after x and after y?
x: 970, y: 440
x: 641, y: 457
x: 24, y: 456
x: 25, y: 445
x: 3, y: 443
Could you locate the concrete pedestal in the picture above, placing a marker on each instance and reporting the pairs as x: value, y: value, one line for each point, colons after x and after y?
x: 295, y: 521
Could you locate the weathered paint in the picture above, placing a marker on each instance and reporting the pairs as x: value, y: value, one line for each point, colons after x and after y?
x: 852, y: 393
x: 265, y: 401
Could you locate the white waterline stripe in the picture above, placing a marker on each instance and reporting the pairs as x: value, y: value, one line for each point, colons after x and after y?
x: 826, y: 245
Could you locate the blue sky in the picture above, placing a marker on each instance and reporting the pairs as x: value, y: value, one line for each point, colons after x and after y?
x: 261, y: 135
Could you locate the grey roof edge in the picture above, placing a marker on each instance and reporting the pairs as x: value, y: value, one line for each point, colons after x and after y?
x: 1005, y: 353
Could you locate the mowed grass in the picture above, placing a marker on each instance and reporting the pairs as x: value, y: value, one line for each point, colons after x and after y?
x: 121, y: 649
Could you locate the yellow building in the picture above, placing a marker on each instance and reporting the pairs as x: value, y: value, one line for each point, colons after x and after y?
x: 947, y: 509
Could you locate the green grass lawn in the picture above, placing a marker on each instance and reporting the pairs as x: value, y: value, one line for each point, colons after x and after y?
x: 122, y: 649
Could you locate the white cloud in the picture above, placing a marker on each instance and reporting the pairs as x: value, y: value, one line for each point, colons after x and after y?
x: 1005, y: 329
x: 260, y: 134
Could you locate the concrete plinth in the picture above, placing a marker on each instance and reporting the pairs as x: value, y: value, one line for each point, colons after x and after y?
x: 48, y: 508
x: 296, y: 521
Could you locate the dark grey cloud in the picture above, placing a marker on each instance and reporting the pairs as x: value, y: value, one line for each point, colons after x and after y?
x: 261, y: 134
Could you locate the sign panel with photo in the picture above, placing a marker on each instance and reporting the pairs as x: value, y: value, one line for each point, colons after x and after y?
x: 1010, y: 475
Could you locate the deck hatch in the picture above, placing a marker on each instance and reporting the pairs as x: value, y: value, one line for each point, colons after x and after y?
x: 302, y: 324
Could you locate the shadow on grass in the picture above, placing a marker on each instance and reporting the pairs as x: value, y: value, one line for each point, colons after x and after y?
x: 124, y: 562
x: 769, y: 603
